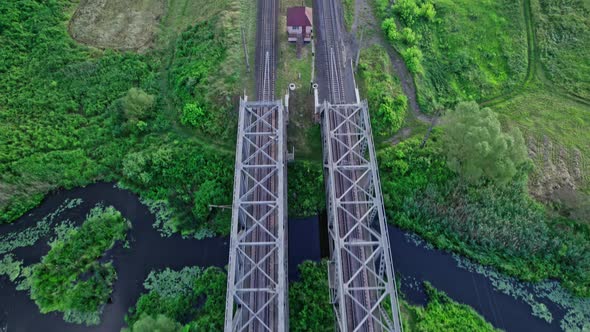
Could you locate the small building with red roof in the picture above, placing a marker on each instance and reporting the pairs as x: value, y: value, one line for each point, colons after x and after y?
x: 299, y: 23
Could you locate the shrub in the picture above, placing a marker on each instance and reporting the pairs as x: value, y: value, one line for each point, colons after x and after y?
x: 413, y: 59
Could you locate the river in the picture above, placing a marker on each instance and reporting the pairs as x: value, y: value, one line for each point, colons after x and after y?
x: 415, y: 262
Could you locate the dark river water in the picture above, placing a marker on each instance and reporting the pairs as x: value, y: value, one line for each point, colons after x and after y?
x: 414, y: 263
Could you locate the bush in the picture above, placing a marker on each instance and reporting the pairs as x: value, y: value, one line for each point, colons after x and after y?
x: 387, y: 103
x: 413, y: 59
x: 443, y: 314
x: 188, y: 177
x: 407, y: 11
x: 307, y: 195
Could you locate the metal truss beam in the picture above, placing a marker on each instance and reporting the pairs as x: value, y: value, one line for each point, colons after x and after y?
x: 257, y: 273
x: 362, y: 283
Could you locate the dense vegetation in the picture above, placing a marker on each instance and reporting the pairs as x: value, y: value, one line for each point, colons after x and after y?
x: 309, y: 299
x: 387, y: 103
x: 187, y: 176
x: 563, y: 42
x: 306, y: 193
x: 172, y: 297
x: 72, y: 115
x: 200, y: 51
x: 458, y: 50
x: 489, y: 222
x: 71, y: 278
x: 443, y: 314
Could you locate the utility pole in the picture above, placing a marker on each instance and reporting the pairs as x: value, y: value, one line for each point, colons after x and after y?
x: 245, y: 50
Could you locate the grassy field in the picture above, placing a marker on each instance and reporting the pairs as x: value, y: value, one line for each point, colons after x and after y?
x: 466, y: 51
x: 562, y: 29
x: 539, y: 113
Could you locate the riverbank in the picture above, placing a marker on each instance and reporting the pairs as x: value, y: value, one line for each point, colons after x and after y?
x: 415, y: 263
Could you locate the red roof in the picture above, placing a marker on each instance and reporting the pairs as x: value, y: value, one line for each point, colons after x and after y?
x: 299, y: 17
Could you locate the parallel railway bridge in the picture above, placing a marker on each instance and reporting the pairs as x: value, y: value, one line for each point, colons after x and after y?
x: 362, y: 284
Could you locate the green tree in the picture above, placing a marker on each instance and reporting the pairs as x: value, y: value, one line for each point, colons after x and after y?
x: 409, y: 36
x: 160, y: 323
x: 427, y: 11
x: 193, y: 114
x: 477, y: 147
x: 137, y: 105
x: 388, y: 26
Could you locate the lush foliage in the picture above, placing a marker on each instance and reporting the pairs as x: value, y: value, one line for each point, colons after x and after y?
x: 489, y: 223
x: 70, y: 278
x: 458, y: 50
x: 200, y: 50
x: 71, y: 115
x: 477, y: 148
x: 444, y: 314
x: 172, y: 297
x: 387, y: 103
x: 54, y: 128
x: 189, y: 177
x: 10, y: 267
x: 563, y: 41
x: 309, y: 299
x: 306, y: 189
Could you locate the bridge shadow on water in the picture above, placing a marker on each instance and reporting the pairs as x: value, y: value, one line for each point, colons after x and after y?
x: 414, y: 262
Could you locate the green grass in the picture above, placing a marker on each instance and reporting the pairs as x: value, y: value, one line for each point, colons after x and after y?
x: 442, y: 314
x: 349, y: 8
x: 561, y: 29
x: 489, y: 223
x: 472, y: 50
x: 378, y: 82
x: 539, y: 113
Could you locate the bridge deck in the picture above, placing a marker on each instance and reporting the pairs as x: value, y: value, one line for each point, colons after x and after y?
x: 257, y: 276
x: 361, y: 271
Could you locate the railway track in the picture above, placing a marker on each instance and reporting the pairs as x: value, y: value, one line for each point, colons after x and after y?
x: 347, y: 186
x: 257, y: 290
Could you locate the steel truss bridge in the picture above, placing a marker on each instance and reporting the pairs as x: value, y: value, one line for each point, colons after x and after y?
x: 257, y: 274
x: 362, y: 284
x: 361, y: 274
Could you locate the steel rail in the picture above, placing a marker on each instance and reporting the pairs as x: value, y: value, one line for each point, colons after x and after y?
x: 257, y: 275
x: 361, y: 273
